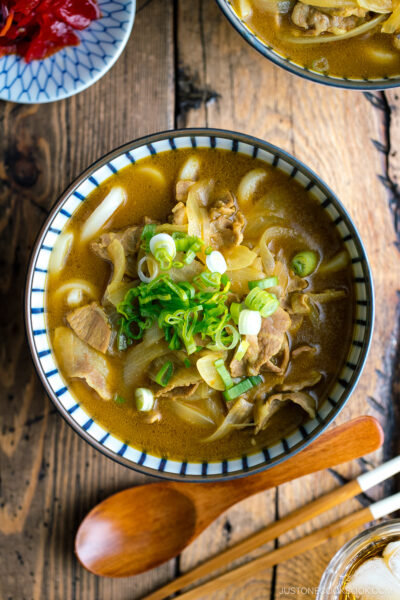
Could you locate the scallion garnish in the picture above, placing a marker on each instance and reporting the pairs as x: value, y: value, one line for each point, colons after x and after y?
x: 182, y: 310
x: 241, y: 350
x: 165, y: 373
x: 265, y: 302
x: 227, y: 338
x: 119, y: 399
x: 190, y: 245
x: 144, y: 399
x: 249, y: 322
x: 235, y: 309
x: 148, y: 232
x: 263, y: 284
x: 304, y: 263
x: 163, y: 258
x: 177, y: 264
x: 223, y: 373
x: 190, y: 256
x: 255, y: 380
x: 241, y: 388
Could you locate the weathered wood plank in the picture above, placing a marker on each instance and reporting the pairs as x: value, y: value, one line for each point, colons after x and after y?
x: 342, y: 136
x: 50, y: 477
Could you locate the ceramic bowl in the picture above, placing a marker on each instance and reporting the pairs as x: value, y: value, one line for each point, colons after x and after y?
x: 286, y: 63
x: 57, y: 387
x: 72, y: 69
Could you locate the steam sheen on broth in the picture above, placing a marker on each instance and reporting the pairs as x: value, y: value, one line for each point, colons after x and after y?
x: 127, y: 310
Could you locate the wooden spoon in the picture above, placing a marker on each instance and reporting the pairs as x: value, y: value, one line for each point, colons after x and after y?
x: 144, y: 526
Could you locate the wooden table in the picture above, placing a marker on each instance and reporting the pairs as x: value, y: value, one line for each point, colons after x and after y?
x: 184, y: 66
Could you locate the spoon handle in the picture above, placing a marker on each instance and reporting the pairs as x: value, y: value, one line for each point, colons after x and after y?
x: 341, y: 444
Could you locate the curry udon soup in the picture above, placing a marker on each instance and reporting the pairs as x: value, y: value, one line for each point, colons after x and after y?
x: 346, y: 38
x: 199, y: 304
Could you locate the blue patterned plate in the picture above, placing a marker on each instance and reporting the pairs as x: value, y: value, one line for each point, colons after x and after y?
x: 69, y: 405
x: 74, y: 68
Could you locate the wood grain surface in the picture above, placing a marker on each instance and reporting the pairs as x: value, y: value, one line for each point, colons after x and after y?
x: 184, y: 66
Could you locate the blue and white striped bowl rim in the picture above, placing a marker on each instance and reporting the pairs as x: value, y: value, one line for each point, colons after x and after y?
x: 74, y: 68
x: 378, y: 83
x: 57, y: 387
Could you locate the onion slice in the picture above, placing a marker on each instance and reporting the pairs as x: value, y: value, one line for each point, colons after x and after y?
x: 99, y: 217
x: 324, y: 39
x: 60, y: 252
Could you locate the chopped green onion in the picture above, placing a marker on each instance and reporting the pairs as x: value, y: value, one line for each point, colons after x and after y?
x: 189, y: 258
x: 208, y: 250
x: 235, y: 309
x: 144, y: 399
x: 175, y: 343
x: 255, y: 380
x: 223, y: 373
x: 231, y: 341
x: 207, y: 280
x: 165, y: 373
x: 189, y: 288
x: 153, y: 272
x: 249, y: 322
x: 163, y: 258
x: 148, y: 232
x: 225, y: 281
x: 177, y: 264
x: 163, y: 241
x: 263, y: 283
x: 304, y: 263
x: 242, y: 387
x: 187, y: 363
x: 241, y: 351
x: 237, y: 390
x: 216, y: 262
x: 184, y: 242
x: 265, y: 302
x: 184, y: 311
x: 119, y: 399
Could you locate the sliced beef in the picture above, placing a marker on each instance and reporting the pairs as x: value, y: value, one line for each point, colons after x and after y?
x: 270, y: 340
x: 263, y: 347
x: 130, y: 240
x: 227, y: 222
x: 90, y: 323
x: 182, y: 190
x: 238, y: 368
x: 316, y: 21
x: 265, y: 408
x: 183, y: 383
x: 179, y: 214
x: 79, y: 360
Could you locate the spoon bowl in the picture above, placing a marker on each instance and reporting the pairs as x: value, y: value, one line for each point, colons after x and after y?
x: 142, y: 527
x: 123, y: 536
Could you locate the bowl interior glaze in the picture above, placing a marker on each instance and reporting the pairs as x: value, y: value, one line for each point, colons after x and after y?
x: 56, y: 386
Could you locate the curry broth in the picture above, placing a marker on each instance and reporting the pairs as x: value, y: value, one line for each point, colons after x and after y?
x: 329, y: 58
x: 173, y: 437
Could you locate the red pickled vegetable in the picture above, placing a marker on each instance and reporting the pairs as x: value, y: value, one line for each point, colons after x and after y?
x: 35, y: 29
x: 7, y: 24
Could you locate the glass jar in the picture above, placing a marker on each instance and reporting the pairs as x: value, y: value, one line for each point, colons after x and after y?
x: 368, y: 543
